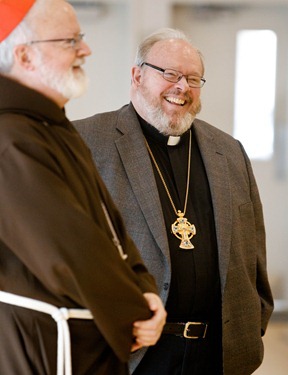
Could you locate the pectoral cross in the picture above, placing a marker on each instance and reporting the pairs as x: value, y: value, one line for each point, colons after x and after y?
x: 183, y: 230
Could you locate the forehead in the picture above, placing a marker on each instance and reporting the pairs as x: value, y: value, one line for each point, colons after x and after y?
x: 59, y: 20
x: 175, y: 53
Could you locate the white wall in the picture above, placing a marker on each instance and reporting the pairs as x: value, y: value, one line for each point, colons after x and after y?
x: 113, y: 31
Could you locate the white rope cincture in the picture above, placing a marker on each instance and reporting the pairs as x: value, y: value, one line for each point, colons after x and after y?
x: 61, y: 316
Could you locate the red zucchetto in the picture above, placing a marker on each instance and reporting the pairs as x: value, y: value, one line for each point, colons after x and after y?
x: 11, y: 14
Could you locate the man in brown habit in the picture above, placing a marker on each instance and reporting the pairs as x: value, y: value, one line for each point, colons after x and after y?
x: 68, y: 270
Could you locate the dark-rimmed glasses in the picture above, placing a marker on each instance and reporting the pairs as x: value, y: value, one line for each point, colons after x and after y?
x: 174, y: 76
x: 70, y: 42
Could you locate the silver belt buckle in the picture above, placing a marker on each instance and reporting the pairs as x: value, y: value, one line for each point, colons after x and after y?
x: 186, y: 329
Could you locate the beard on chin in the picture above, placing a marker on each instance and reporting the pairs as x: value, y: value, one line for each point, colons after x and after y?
x: 156, y: 117
x: 69, y: 84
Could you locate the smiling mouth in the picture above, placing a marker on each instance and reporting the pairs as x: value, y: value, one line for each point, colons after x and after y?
x: 78, y: 63
x: 177, y: 101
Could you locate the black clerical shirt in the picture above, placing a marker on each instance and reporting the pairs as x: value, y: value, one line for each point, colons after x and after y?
x: 195, y: 285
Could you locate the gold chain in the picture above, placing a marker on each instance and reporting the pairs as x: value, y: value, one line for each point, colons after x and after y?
x: 164, y: 183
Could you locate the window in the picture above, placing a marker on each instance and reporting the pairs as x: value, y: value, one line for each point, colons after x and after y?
x: 255, y: 91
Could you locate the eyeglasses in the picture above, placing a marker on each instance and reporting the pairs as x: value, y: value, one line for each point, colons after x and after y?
x: 174, y: 76
x: 70, y: 42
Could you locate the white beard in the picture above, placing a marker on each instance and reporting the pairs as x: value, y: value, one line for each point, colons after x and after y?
x: 161, y: 121
x: 69, y: 84
x: 156, y: 117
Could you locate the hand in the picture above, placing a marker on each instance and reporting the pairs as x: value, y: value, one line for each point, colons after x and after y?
x: 147, y: 332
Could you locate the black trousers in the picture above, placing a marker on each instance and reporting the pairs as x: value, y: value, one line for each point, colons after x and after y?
x: 174, y: 355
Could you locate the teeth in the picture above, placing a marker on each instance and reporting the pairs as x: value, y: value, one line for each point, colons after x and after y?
x: 78, y: 62
x: 176, y: 101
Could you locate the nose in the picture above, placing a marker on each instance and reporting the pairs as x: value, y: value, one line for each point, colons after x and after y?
x: 84, y: 49
x: 182, y: 83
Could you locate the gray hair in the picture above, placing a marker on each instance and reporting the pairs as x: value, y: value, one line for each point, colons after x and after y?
x: 161, y: 34
x: 21, y: 34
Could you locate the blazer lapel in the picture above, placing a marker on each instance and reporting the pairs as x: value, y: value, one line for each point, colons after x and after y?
x: 131, y: 146
x: 217, y: 172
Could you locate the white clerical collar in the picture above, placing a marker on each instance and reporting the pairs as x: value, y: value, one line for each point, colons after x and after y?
x: 173, y: 140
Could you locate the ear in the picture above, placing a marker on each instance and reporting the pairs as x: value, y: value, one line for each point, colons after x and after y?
x: 136, y: 75
x: 23, y: 56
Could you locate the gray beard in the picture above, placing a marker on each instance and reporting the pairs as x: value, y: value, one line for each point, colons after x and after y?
x: 157, y: 118
x: 162, y: 122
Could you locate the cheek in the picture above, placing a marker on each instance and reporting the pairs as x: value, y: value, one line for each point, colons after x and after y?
x: 195, y: 106
x: 151, y: 91
x: 64, y: 61
x: 65, y: 64
x: 195, y: 96
x: 156, y: 86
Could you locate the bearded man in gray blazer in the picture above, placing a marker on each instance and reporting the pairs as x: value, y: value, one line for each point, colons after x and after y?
x: 189, y: 198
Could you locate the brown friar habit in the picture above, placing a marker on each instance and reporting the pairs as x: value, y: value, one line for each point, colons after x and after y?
x: 56, y: 245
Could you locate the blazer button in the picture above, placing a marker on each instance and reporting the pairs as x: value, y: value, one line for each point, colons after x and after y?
x: 166, y: 286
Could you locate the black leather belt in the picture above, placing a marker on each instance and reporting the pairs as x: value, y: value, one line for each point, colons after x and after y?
x: 189, y: 330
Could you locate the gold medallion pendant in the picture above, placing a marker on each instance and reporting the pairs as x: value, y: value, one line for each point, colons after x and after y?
x: 181, y: 228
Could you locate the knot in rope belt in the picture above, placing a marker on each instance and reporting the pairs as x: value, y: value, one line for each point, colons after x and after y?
x: 61, y: 316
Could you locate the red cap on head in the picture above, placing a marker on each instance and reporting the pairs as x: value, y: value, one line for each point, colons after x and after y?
x: 11, y: 14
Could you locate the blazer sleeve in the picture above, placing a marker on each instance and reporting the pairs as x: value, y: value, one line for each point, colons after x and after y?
x: 262, y: 283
